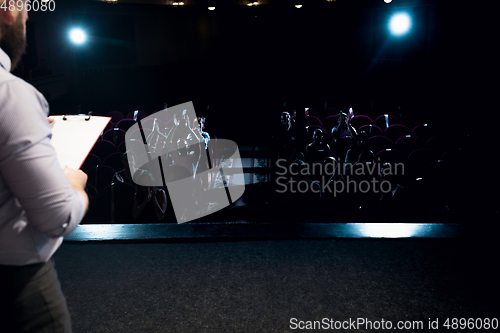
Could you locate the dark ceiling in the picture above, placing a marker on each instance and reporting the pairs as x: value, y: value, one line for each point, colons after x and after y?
x: 252, y: 3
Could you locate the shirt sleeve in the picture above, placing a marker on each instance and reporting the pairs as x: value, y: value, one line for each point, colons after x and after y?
x: 29, y: 165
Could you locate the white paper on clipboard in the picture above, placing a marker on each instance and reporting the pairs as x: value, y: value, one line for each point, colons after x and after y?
x: 74, y: 137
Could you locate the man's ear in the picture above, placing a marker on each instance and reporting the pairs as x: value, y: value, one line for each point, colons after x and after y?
x: 8, y: 16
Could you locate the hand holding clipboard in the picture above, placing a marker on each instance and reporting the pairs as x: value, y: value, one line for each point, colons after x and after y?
x: 74, y: 136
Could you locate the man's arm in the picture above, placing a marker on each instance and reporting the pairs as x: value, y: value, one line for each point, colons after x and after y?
x: 77, y: 180
x: 54, y: 201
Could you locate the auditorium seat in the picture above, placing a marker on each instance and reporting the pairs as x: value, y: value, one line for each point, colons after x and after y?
x: 342, y: 156
x: 360, y: 120
x: 313, y: 113
x: 146, y: 131
x: 136, y: 115
x: 322, y: 155
x: 423, y: 131
x: 148, y: 123
x: 115, y: 135
x: 103, y: 148
x: 114, y: 160
x: 100, y: 176
x: 169, y: 125
x: 408, y: 143
x: 371, y: 130
x: 385, y: 120
x: 125, y: 124
x: 330, y: 122
x: 342, y: 145
x: 91, y: 161
x: 116, y: 116
x: 330, y: 163
x: 396, y: 131
x: 380, y: 142
x: 390, y: 156
x: 91, y: 191
x: 132, y: 144
x: 122, y: 147
x: 137, y: 135
x: 109, y: 126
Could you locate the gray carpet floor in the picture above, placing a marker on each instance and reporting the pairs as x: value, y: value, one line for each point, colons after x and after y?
x: 259, y: 286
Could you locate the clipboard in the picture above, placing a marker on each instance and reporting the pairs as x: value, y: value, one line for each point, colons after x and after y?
x: 73, y: 137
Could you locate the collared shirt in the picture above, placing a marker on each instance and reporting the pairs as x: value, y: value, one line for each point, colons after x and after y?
x: 37, y: 204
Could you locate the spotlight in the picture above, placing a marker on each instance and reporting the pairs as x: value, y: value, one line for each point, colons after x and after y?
x: 77, y: 36
x: 400, y: 24
x: 211, y: 8
x: 298, y: 6
x: 387, y: 1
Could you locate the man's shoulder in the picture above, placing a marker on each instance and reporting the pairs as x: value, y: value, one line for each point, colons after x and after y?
x: 13, y: 86
x: 16, y: 83
x: 7, y: 77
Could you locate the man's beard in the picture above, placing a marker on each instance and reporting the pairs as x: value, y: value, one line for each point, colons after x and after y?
x: 13, y: 41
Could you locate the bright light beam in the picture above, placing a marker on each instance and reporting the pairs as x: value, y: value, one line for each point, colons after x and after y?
x: 400, y: 24
x: 77, y: 36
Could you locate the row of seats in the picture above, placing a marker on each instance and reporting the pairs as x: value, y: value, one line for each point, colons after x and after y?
x: 113, y: 160
x: 420, y: 147
x: 415, y: 165
x: 116, y: 116
x: 407, y: 144
x: 427, y: 154
x: 407, y: 120
x: 423, y: 196
x: 102, y: 149
x: 393, y: 131
x: 111, y: 204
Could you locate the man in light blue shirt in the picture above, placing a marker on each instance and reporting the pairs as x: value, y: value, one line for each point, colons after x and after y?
x: 40, y: 202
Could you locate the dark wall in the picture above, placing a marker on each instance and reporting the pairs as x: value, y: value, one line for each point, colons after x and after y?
x: 111, y: 40
x: 249, y: 60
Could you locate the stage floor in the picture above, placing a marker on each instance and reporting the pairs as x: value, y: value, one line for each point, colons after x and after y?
x: 258, y: 231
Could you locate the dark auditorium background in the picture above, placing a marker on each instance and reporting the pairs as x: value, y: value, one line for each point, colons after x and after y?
x: 253, y: 266
x: 248, y: 60
x: 242, y: 66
